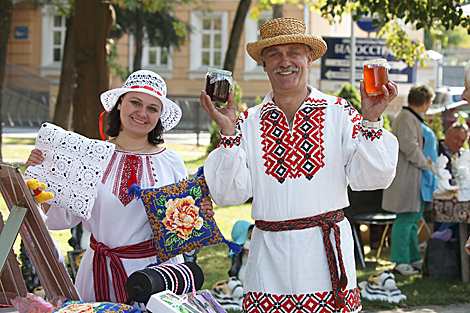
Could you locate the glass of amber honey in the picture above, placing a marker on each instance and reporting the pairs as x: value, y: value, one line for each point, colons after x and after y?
x: 218, y: 84
x: 375, y: 75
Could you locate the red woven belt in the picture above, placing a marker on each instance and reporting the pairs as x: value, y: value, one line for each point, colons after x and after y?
x: 326, y: 221
x: 144, y: 249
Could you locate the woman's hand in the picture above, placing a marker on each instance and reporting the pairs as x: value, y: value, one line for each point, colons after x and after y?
x: 35, y: 158
x: 206, y: 205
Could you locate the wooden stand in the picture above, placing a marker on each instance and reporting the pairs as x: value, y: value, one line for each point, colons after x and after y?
x: 26, y: 218
x: 452, y: 211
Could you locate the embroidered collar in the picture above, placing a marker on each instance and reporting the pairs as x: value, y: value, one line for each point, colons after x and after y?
x: 314, y: 99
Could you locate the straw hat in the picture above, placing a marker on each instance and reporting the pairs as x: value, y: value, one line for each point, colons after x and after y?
x: 150, y: 83
x: 281, y: 31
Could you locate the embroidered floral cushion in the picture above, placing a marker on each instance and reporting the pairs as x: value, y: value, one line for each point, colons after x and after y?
x: 178, y: 223
x: 95, y: 307
x: 72, y: 168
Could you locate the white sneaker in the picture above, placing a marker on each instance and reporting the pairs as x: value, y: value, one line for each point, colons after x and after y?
x: 405, y: 269
x: 418, y: 265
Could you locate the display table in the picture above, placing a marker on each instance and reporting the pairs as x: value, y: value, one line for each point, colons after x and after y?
x: 452, y: 211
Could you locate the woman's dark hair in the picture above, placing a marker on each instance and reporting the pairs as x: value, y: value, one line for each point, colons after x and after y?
x: 114, y: 126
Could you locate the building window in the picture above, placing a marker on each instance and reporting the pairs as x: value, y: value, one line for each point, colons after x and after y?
x: 157, y: 58
x: 208, y: 41
x: 58, y: 34
x: 254, y: 70
x: 53, y: 38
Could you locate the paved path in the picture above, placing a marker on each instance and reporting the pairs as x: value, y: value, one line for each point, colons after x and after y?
x: 451, y: 308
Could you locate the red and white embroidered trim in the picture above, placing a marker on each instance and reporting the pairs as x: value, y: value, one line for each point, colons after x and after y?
x: 320, y: 302
x: 371, y: 134
x: 229, y: 142
x: 295, y: 154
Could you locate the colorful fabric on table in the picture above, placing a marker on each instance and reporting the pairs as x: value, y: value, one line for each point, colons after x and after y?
x: 177, y: 223
x: 94, y: 307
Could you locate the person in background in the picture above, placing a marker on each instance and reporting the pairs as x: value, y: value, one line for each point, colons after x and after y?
x: 451, y: 146
x: 404, y: 197
x: 122, y: 240
x: 295, y: 154
x: 466, y: 96
x: 428, y: 179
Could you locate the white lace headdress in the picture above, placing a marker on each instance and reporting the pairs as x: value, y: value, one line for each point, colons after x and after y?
x: 150, y: 83
x: 73, y: 167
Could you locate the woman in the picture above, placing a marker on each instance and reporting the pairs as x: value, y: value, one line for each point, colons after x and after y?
x: 121, y: 240
x: 404, y: 196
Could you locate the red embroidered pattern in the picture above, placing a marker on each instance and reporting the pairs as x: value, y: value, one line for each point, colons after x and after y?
x: 229, y: 142
x: 108, y: 169
x: 131, y: 174
x: 371, y: 134
x: 320, y: 302
x: 150, y: 170
x: 296, y: 154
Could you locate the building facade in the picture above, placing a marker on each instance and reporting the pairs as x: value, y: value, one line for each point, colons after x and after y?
x: 38, y: 34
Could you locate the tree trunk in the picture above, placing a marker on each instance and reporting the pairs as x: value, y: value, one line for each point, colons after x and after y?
x: 139, y: 38
x: 93, y: 20
x: 63, y: 109
x: 237, y: 29
x: 277, y: 11
x: 6, y: 11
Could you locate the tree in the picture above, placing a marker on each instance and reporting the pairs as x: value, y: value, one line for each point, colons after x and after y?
x: 6, y: 11
x: 94, y: 19
x: 391, y: 16
x: 159, y: 28
x: 63, y: 108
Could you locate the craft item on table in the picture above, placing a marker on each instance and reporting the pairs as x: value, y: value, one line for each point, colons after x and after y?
x: 36, y: 304
x: 463, y: 181
x: 241, y: 234
x: 229, y: 293
x: 381, y: 287
x: 38, y: 190
x: 212, y: 301
x: 444, y: 189
x: 142, y: 284
x: 72, y: 168
x: 168, y: 302
x: 95, y: 307
x: 178, y: 224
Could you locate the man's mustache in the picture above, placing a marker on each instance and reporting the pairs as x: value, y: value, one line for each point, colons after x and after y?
x: 286, y: 69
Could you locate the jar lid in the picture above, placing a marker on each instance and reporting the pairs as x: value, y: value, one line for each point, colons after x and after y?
x: 380, y: 62
x: 219, y: 71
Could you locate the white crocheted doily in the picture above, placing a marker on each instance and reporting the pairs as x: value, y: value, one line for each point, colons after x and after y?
x: 72, y: 168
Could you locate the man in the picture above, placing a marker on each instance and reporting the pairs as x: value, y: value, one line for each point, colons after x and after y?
x: 404, y: 197
x: 452, y: 145
x: 295, y: 154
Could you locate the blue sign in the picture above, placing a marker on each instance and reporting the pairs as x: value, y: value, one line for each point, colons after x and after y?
x: 366, y: 23
x: 335, y: 63
x: 21, y: 32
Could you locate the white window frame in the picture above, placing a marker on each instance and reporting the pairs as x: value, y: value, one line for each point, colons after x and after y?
x: 196, y: 69
x: 252, y: 70
x: 48, y: 66
x: 163, y: 70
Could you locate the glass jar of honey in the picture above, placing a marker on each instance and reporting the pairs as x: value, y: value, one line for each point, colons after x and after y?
x: 375, y: 75
x: 218, y: 84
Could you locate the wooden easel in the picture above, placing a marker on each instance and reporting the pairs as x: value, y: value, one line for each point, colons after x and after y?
x: 26, y: 219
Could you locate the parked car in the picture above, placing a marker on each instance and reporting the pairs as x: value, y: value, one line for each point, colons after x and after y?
x: 448, y: 101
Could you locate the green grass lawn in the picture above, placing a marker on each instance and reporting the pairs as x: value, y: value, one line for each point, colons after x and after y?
x: 419, y: 289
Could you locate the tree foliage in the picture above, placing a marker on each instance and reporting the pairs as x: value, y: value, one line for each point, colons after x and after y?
x: 392, y: 17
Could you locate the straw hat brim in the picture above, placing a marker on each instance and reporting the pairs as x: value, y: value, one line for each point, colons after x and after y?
x: 171, y: 112
x: 316, y: 44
